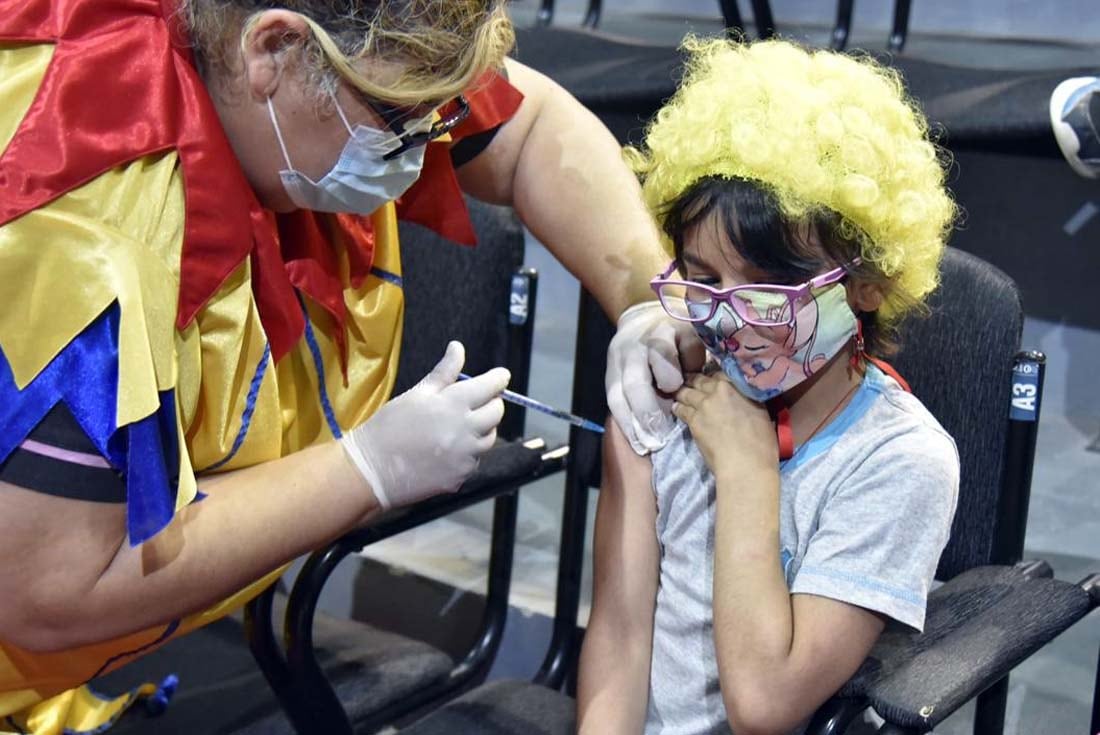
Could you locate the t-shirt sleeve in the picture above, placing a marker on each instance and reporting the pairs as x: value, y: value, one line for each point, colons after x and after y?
x: 58, y: 458
x: 88, y: 360
x: 882, y: 531
x: 60, y: 434
x: 493, y: 101
x: 470, y: 147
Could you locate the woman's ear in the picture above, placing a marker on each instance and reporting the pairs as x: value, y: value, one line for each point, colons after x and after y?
x: 864, y: 296
x: 264, y: 45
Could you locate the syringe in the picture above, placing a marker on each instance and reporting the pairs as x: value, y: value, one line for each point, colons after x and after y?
x: 522, y: 400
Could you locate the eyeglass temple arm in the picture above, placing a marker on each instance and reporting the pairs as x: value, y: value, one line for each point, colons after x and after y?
x: 666, y: 272
x: 832, y: 276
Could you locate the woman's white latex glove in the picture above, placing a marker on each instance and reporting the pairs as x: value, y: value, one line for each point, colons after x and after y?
x: 649, y: 351
x: 429, y: 439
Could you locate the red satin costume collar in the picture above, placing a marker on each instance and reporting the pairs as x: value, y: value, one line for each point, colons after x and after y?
x: 122, y: 84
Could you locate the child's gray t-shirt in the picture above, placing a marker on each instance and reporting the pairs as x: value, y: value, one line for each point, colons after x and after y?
x: 865, y: 510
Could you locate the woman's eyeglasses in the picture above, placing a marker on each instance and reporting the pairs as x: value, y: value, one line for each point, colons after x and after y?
x: 396, y: 117
x: 759, y: 304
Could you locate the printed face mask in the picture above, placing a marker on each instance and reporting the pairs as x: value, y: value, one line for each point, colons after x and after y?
x: 361, y: 181
x: 764, y: 362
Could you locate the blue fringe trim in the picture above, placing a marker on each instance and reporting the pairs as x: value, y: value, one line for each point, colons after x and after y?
x: 388, y: 277
x: 249, y: 407
x: 319, y: 366
x: 85, y: 376
x: 165, y: 634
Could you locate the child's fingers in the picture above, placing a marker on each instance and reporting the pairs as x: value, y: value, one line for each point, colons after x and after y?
x: 683, y: 412
x: 690, y: 396
x: 705, y: 383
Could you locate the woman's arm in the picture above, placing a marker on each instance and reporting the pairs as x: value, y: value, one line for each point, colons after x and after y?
x: 561, y: 169
x: 614, y: 668
x: 70, y: 577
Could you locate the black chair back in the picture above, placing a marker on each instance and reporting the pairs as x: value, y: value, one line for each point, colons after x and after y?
x: 451, y: 292
x: 582, y: 473
x: 975, y: 317
x: 594, y: 332
x: 976, y: 320
x: 437, y: 274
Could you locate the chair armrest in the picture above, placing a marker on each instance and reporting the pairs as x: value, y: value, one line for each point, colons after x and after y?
x: 980, y: 625
x: 503, y: 469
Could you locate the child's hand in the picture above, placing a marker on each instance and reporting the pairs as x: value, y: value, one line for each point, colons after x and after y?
x: 734, y: 434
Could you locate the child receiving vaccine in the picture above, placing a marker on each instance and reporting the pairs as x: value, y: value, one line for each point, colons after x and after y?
x: 744, y: 571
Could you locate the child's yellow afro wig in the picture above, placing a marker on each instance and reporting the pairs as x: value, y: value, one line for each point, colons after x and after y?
x: 821, y: 130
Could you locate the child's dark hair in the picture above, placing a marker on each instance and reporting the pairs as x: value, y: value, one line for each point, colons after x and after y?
x: 751, y: 219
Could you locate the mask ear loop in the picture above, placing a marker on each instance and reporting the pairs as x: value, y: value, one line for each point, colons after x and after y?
x: 279, y: 134
x: 343, y: 117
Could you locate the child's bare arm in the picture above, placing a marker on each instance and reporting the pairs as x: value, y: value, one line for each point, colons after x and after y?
x: 613, y: 688
x: 780, y: 656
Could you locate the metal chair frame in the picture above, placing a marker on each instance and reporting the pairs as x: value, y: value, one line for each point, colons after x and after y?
x: 292, y: 669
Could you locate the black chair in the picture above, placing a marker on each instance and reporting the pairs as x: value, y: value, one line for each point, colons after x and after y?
x: 532, y: 707
x: 1095, y: 726
x: 977, y: 108
x: 538, y: 707
x: 315, y: 697
x: 624, y: 82
x: 994, y: 611
x: 335, y: 672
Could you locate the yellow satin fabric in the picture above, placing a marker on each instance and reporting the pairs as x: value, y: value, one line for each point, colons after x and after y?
x: 77, y: 711
x: 49, y: 700
x: 119, y: 238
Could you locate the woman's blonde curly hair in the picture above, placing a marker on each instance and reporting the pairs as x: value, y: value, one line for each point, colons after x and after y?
x: 825, y: 134
x: 443, y: 46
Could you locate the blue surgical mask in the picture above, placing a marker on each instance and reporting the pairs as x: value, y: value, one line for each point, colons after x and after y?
x: 360, y: 181
x: 764, y: 362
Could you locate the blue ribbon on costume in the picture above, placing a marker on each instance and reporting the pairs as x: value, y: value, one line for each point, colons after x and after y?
x: 84, y: 376
x: 157, y: 702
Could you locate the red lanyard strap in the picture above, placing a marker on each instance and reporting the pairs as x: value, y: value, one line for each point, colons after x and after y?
x: 889, y: 370
x: 781, y: 414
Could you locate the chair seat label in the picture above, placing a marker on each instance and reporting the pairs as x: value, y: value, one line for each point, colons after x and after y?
x: 1025, y: 392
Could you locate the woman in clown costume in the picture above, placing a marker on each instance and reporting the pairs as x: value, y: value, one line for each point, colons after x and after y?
x: 203, y: 296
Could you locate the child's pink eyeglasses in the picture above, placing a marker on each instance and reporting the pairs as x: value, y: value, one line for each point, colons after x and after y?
x: 759, y: 304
